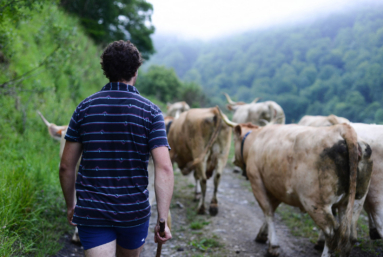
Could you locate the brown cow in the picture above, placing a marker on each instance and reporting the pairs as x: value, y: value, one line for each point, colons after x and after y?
x: 373, y: 135
x: 256, y: 113
x: 306, y: 167
x: 200, y: 141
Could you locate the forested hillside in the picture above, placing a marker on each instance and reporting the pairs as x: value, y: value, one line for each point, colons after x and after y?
x: 333, y: 65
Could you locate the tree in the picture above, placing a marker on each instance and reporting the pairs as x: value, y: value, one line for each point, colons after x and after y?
x: 159, y: 82
x: 107, y: 21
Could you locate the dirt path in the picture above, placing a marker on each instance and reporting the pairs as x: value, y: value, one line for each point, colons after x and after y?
x: 234, y: 228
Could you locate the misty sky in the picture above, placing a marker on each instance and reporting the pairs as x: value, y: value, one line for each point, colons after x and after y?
x: 208, y: 19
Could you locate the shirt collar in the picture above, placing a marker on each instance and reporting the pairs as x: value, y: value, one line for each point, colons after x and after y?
x: 120, y: 87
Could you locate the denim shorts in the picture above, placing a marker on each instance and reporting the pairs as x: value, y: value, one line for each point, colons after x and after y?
x: 128, y: 238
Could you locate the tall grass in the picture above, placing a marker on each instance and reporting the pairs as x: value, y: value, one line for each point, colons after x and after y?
x: 32, y: 210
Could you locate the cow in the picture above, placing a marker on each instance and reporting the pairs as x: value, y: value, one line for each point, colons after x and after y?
x: 200, y: 142
x: 58, y: 133
x: 174, y: 110
x: 322, y: 121
x: 373, y: 205
x: 256, y: 113
x: 306, y: 167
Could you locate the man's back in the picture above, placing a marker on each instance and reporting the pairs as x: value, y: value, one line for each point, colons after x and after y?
x: 117, y: 129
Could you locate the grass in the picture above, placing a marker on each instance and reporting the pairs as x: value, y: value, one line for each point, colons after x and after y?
x: 195, y: 232
x: 205, y: 244
x: 199, y: 224
x: 301, y: 225
x: 31, y: 214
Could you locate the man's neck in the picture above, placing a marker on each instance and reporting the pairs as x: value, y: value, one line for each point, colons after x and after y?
x: 130, y: 82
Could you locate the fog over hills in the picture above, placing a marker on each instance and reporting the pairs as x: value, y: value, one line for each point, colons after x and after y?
x: 329, y: 65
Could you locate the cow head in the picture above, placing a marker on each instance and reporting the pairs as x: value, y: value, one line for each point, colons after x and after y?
x: 232, y: 106
x: 174, y: 110
x: 240, y: 130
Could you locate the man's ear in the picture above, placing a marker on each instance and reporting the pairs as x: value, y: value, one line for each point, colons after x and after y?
x: 238, y: 130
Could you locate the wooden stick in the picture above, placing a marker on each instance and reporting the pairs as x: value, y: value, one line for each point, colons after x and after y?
x: 162, y: 234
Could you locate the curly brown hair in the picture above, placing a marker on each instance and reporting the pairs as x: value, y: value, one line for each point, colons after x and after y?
x: 120, y: 60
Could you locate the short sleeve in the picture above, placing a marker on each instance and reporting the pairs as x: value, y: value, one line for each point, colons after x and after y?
x: 73, y: 131
x: 157, y: 135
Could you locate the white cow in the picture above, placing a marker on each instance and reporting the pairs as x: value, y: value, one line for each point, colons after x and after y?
x: 314, y: 169
x: 256, y: 113
x: 373, y: 135
x: 174, y: 110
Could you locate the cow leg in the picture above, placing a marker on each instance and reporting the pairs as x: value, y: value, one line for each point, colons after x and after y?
x: 357, y: 209
x: 213, y: 210
x: 197, y: 190
x: 201, y: 205
x: 268, y: 205
x: 200, y: 170
x: 75, y: 237
x: 320, y: 244
x: 326, y: 221
x: 375, y: 218
x: 262, y: 234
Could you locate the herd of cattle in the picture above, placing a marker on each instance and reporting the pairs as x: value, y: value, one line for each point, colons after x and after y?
x: 326, y: 166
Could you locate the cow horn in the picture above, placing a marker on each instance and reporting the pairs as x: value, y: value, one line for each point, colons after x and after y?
x: 228, y: 99
x: 255, y: 100
x: 265, y: 122
x: 226, y: 120
x: 43, y: 118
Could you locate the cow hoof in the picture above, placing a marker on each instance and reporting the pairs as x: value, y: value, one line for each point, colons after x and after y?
x: 201, y: 211
x: 374, y: 235
x: 319, y: 245
x: 261, y: 238
x: 236, y: 170
x: 273, y: 251
x: 213, y: 210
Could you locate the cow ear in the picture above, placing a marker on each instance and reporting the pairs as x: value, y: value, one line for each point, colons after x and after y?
x: 238, y: 130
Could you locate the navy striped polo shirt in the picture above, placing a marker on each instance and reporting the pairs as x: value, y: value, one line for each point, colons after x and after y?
x: 117, y: 128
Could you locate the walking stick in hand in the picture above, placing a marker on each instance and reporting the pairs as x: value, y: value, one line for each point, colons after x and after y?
x: 162, y: 234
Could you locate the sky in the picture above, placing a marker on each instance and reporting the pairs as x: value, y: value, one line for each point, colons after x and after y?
x: 210, y: 19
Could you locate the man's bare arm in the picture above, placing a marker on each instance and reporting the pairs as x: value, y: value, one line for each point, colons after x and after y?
x: 69, y: 159
x: 163, y: 185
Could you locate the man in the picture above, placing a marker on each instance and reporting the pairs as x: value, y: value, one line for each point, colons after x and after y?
x: 116, y: 129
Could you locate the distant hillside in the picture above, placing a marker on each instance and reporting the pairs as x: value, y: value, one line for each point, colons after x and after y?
x: 333, y: 65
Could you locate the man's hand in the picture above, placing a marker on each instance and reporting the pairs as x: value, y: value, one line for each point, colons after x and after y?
x: 158, y: 238
x: 70, y: 213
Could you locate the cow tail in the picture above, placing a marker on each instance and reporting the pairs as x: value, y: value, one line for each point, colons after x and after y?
x: 333, y: 119
x: 350, y: 136
x: 211, y: 141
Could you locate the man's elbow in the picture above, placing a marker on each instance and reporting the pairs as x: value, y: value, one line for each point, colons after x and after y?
x: 63, y: 170
x: 167, y: 170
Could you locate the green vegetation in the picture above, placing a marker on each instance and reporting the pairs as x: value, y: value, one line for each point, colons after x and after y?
x: 163, y: 84
x: 50, y: 65
x: 332, y: 65
x: 106, y: 21
x: 198, y: 224
x: 205, y: 244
